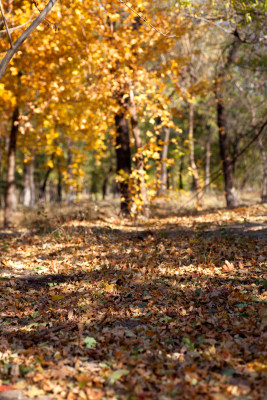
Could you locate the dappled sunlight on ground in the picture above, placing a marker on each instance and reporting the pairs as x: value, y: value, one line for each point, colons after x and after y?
x: 148, y: 309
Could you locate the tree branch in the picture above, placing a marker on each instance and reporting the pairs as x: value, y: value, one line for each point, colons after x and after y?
x: 146, y: 21
x: 9, y: 55
x: 17, y: 27
x: 5, y: 22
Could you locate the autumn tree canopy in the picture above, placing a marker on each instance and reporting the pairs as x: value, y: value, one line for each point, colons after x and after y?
x: 139, y: 97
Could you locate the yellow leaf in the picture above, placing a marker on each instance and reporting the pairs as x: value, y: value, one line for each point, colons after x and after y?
x: 57, y: 297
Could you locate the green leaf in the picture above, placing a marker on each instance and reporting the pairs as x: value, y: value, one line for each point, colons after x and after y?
x: 35, y: 314
x: 90, y: 342
x: 116, y: 375
x: 200, y: 340
x: 228, y: 371
x: 188, y: 343
x: 242, y: 305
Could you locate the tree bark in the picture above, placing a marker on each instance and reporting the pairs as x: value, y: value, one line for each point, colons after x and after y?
x: 70, y: 188
x: 232, y: 198
x: 105, y: 183
x: 192, y: 153
x: 123, y: 155
x: 263, y: 154
x: 43, y: 186
x: 164, y: 156
x: 1, y: 173
x: 10, y: 192
x: 207, y: 164
x: 29, y: 187
x: 139, y: 155
x: 59, y: 185
x: 181, y: 169
x: 264, y: 164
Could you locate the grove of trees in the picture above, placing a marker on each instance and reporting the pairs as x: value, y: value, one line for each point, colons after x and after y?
x: 141, y: 98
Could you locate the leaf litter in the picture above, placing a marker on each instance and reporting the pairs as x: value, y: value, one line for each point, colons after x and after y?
x: 160, y: 309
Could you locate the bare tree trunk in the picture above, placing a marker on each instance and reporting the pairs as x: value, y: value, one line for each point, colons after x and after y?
x: 232, y: 199
x: 164, y: 156
x: 264, y: 164
x: 70, y: 189
x: 181, y: 169
x: 29, y: 187
x: 59, y: 185
x: 123, y: 154
x: 10, y: 192
x: 263, y: 155
x: 207, y: 164
x: 44, y: 184
x: 139, y: 155
x: 1, y: 174
x: 192, y: 153
x: 105, y: 183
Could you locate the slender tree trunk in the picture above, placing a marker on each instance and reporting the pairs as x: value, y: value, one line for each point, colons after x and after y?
x: 10, y: 192
x: 263, y: 156
x: 192, y: 153
x: 181, y: 169
x: 164, y: 173
x: 29, y: 187
x: 70, y: 188
x: 44, y: 184
x: 1, y: 174
x: 104, y: 187
x: 264, y: 164
x: 105, y: 183
x: 123, y: 155
x: 26, y: 185
x: 207, y: 164
x: 139, y: 155
x: 59, y: 185
x: 232, y: 199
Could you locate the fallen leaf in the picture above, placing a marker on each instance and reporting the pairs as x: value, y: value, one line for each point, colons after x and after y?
x: 227, y: 266
x: 116, y: 375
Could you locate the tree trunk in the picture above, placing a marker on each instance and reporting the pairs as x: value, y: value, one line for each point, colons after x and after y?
x: 59, y: 185
x: 104, y: 187
x: 264, y: 164
x: 1, y: 174
x: 207, y: 164
x: 70, y: 188
x: 105, y: 183
x: 10, y: 192
x: 29, y: 187
x: 181, y: 169
x: 192, y: 153
x: 164, y: 156
x: 139, y: 155
x: 123, y: 154
x: 263, y: 156
x: 232, y: 199
x: 43, y: 186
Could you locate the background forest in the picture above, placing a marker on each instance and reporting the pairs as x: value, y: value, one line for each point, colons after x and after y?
x: 97, y: 101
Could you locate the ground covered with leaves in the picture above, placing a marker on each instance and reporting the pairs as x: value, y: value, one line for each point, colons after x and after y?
x: 173, y: 307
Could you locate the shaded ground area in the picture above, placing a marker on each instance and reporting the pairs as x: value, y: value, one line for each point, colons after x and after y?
x: 118, y: 309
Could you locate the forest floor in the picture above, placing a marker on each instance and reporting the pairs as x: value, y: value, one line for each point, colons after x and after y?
x: 93, y: 306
